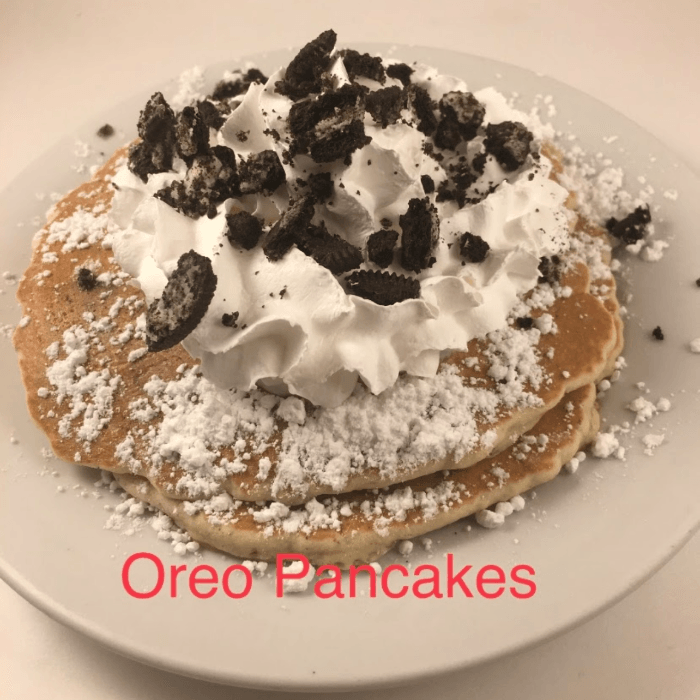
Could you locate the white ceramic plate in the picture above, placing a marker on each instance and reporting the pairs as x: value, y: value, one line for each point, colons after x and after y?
x: 591, y: 538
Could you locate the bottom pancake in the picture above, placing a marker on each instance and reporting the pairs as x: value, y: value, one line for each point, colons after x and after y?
x: 358, y: 527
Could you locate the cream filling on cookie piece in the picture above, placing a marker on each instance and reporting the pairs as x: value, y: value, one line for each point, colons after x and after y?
x: 297, y: 329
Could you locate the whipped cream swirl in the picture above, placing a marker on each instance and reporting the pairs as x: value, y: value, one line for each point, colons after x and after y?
x: 297, y: 329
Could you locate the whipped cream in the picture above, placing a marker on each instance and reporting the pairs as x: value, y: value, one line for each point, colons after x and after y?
x: 297, y: 330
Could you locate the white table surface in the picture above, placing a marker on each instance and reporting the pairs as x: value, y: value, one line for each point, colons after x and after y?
x: 61, y: 62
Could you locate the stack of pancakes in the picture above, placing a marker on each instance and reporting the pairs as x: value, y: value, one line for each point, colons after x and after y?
x: 90, y: 387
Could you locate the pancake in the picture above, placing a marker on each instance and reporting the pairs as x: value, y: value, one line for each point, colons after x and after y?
x: 359, y: 527
x: 253, y: 472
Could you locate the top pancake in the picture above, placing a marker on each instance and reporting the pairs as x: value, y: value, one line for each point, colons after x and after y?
x: 104, y: 401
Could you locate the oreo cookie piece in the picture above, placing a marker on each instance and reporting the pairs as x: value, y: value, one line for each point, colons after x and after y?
x: 632, y: 228
x: 385, y: 105
x: 105, y: 131
x: 428, y: 184
x: 363, y: 64
x: 86, y: 279
x: 261, y: 173
x: 657, y: 333
x: 464, y: 111
x: 156, y: 128
x: 321, y: 186
x: 525, y: 323
x: 382, y: 288
x: 332, y: 252
x: 549, y: 269
x: 420, y: 228
x: 230, y: 320
x: 330, y: 126
x: 473, y: 248
x: 509, y: 143
x: 419, y: 101
x: 191, y: 134
x: 243, y: 230
x: 291, y: 228
x: 185, y: 300
x: 303, y: 75
x: 400, y: 71
x: 213, y: 115
x: 209, y: 180
x: 226, y: 89
x: 380, y: 247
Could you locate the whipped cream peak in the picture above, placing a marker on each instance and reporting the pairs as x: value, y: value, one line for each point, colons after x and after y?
x: 425, y: 160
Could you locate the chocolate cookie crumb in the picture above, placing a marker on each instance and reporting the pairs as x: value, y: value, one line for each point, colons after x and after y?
x: 473, y: 248
x: 420, y: 229
x: 658, y: 333
x: 212, y: 115
x: 419, y: 100
x: 509, y: 143
x: 549, y: 269
x: 364, y: 65
x: 321, y: 186
x: 191, y: 133
x: 262, y: 172
x: 380, y: 247
x: 86, y: 279
x: 400, y: 71
x: 185, y: 300
x: 226, y: 89
x: 385, y: 105
x: 289, y: 229
x: 525, y: 323
x: 428, y: 184
x: 230, y: 320
x: 332, y: 252
x: 632, y: 228
x: 243, y: 229
x: 303, y: 75
x: 156, y: 128
x: 105, y: 131
x: 382, y: 288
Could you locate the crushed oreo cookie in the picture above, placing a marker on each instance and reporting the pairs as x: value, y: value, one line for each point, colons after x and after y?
x: 321, y: 186
x: 362, y: 64
x: 382, y: 288
x: 632, y: 228
x: 657, y: 333
x: 261, y: 173
x: 385, y: 105
x: 209, y: 181
x: 400, y: 71
x: 86, y: 279
x: 291, y: 228
x: 105, y: 131
x: 509, y: 143
x: 473, y: 248
x: 332, y: 252
x: 420, y: 102
x: 156, y: 128
x: 549, y: 269
x: 428, y: 184
x: 331, y: 126
x: 380, y: 247
x: 303, y: 76
x: 227, y: 89
x: 213, y: 115
x: 185, y: 300
x: 191, y: 133
x: 525, y: 323
x: 420, y: 230
x: 461, y: 116
x: 230, y: 320
x: 243, y: 230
